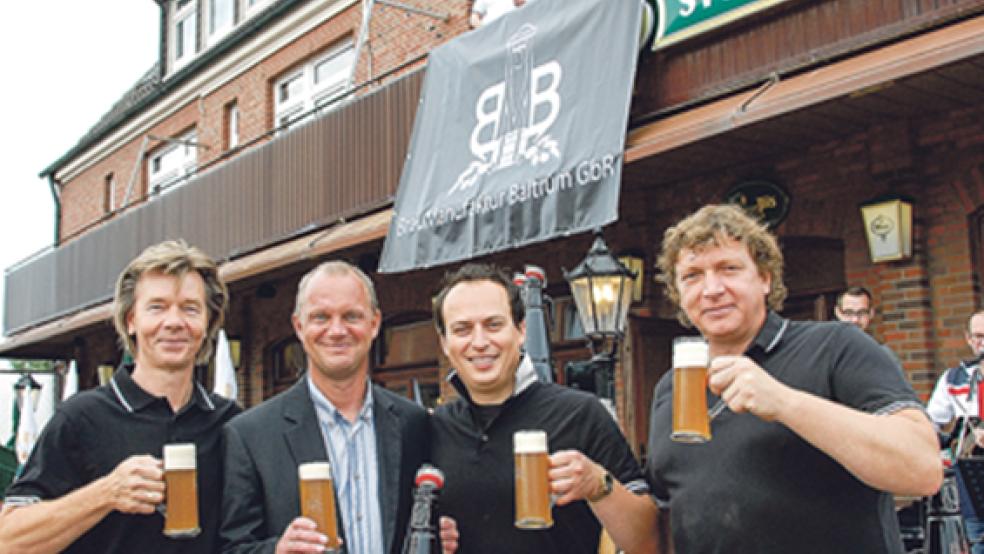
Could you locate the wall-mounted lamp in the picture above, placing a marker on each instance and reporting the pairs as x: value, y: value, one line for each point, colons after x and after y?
x: 888, y: 228
x: 602, y: 289
x: 235, y: 351
x: 634, y: 263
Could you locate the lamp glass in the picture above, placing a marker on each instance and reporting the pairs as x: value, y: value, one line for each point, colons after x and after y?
x: 581, y: 290
x: 603, y: 302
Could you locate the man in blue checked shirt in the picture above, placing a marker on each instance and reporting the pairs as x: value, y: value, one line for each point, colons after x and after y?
x: 373, y: 439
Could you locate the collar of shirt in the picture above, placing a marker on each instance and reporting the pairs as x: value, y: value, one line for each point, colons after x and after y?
x: 134, y: 398
x: 770, y: 335
x: 329, y: 414
x: 525, y: 377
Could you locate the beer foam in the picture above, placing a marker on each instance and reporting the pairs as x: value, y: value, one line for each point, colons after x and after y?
x: 179, y: 456
x: 690, y: 353
x: 529, y: 442
x: 314, y: 471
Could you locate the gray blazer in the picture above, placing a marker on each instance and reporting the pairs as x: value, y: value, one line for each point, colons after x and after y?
x: 264, y: 446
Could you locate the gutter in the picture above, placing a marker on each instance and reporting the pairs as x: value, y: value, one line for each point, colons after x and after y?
x: 53, y: 184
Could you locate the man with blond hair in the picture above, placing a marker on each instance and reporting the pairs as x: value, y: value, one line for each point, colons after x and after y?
x: 821, y: 428
x: 94, y: 480
x: 374, y: 439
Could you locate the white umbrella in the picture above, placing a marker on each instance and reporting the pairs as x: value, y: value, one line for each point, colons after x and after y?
x: 225, y: 372
x: 71, y: 381
x: 45, y: 407
x: 27, y: 430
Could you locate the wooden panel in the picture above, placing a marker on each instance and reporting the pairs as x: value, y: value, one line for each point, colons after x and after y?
x: 793, y: 37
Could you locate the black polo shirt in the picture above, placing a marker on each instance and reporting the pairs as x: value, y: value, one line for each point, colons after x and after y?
x: 477, y: 461
x: 95, y: 430
x: 757, y: 487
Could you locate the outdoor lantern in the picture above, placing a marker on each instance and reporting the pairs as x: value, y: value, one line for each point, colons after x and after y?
x: 635, y: 264
x: 24, y: 386
x: 602, y: 289
x: 888, y: 228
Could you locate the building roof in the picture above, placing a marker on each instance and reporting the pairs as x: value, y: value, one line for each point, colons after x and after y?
x: 152, y: 86
x: 148, y: 83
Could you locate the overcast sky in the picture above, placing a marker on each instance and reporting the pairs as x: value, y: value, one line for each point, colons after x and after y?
x: 65, y: 63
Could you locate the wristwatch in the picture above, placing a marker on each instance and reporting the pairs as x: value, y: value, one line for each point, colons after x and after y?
x: 607, y: 486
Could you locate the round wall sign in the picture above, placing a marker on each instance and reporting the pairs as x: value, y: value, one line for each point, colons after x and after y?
x: 765, y: 200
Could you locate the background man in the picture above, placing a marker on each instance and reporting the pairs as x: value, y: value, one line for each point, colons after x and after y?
x: 957, y: 396
x: 94, y: 479
x: 821, y: 426
x: 854, y: 306
x: 480, y: 319
x: 374, y: 439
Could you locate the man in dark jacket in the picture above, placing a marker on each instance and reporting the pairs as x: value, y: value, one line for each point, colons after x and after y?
x: 374, y: 440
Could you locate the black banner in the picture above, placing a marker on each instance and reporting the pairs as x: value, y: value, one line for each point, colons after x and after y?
x: 519, y: 135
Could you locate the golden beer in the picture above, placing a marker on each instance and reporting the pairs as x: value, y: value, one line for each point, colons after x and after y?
x: 181, y: 496
x: 318, y: 499
x: 533, y: 507
x: 691, y: 422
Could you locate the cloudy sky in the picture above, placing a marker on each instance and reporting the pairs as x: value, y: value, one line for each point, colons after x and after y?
x: 65, y: 63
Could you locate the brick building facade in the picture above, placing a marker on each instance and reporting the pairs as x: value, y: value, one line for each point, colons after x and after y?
x: 890, y: 106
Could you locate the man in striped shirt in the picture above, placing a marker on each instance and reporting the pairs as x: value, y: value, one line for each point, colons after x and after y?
x: 373, y: 439
x: 956, y: 398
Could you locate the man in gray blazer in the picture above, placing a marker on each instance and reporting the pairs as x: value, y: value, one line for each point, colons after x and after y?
x: 373, y: 439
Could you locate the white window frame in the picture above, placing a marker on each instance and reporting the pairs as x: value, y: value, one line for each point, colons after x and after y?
x: 252, y: 6
x: 311, y: 94
x: 177, y: 160
x: 184, y: 14
x: 216, y: 34
x: 110, y: 192
x: 232, y: 120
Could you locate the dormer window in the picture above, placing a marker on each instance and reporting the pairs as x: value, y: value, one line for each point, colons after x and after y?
x: 185, y: 31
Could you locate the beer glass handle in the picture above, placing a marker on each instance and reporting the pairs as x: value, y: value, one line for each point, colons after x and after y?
x: 717, y: 409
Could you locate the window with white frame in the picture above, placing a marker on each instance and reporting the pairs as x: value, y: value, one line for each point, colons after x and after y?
x: 255, y: 4
x: 172, y: 162
x: 185, y: 31
x: 109, y: 193
x: 317, y: 83
x: 232, y: 125
x: 221, y: 18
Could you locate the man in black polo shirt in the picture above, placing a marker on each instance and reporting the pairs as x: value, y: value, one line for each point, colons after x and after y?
x: 94, y: 480
x: 821, y: 426
x: 479, y: 315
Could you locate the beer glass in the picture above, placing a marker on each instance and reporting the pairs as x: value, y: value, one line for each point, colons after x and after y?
x: 318, y: 499
x: 181, y: 497
x: 691, y: 421
x: 532, y: 481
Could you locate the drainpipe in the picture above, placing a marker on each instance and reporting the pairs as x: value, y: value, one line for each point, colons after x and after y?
x: 53, y: 184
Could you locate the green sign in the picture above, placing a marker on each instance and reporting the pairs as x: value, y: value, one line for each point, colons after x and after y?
x: 682, y: 19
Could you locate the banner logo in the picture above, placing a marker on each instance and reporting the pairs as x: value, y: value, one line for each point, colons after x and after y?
x: 514, y: 115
